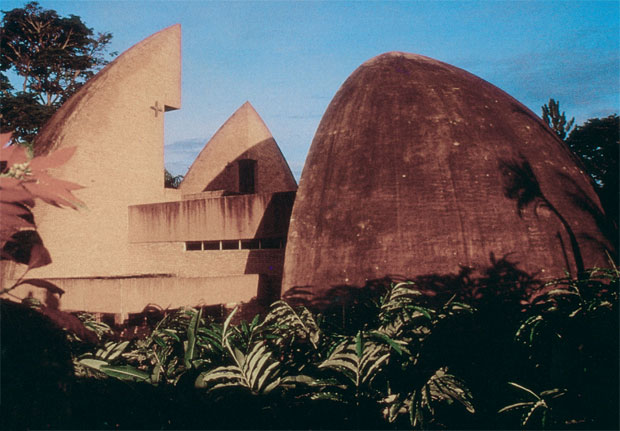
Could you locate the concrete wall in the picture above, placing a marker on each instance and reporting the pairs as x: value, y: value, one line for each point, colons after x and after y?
x: 232, y: 217
x: 116, y: 121
x: 126, y: 295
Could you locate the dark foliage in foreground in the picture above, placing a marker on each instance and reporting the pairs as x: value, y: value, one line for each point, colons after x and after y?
x: 495, y: 351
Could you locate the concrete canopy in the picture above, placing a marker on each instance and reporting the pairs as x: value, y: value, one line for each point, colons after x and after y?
x: 243, y: 136
x: 419, y: 167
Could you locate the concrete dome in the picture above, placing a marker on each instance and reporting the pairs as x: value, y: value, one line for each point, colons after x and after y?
x: 419, y: 167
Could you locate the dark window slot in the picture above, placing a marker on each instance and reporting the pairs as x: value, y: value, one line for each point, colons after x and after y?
x: 247, y: 176
x: 271, y: 243
x: 230, y: 245
x: 237, y: 244
x: 250, y: 244
x: 193, y: 245
x: 211, y: 245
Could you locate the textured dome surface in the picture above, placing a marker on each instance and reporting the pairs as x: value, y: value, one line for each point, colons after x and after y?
x: 419, y: 167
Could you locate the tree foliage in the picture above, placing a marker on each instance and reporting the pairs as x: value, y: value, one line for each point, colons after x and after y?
x: 597, y: 144
x: 52, y: 56
x: 172, y: 181
x: 556, y: 120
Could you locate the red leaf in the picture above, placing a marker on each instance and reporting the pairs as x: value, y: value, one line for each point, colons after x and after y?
x: 70, y: 323
x: 47, y: 193
x: 5, y: 138
x: 39, y: 256
x: 13, y: 154
x: 9, y: 182
x: 17, y: 194
x: 46, y: 178
x: 51, y: 287
x: 7, y: 209
x: 14, y: 223
x: 53, y: 160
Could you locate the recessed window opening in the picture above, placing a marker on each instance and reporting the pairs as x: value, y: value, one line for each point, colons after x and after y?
x: 211, y: 245
x: 247, y: 176
x: 271, y: 243
x: 237, y: 244
x: 250, y: 244
x: 230, y: 244
x: 193, y: 245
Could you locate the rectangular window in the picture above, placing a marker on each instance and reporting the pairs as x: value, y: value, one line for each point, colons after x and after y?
x: 211, y: 245
x: 230, y: 244
x: 193, y: 245
x: 250, y: 244
x: 271, y: 243
x: 237, y: 244
x: 247, y: 176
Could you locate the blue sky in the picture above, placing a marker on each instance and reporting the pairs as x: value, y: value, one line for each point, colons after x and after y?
x: 289, y: 58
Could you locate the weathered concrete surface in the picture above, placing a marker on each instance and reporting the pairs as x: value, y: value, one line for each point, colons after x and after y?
x: 116, y: 121
x: 410, y: 173
x: 263, y: 215
x: 126, y: 295
x: 243, y: 136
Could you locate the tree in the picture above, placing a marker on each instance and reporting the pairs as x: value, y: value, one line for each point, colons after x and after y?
x: 52, y: 56
x: 556, y: 121
x: 171, y: 181
x: 597, y: 144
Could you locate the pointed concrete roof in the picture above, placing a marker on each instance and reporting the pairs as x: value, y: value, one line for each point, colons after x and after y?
x: 243, y: 136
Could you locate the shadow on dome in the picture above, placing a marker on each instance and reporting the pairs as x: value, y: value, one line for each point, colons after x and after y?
x: 501, y: 282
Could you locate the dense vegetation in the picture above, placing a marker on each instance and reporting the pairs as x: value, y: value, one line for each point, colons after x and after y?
x: 49, y: 58
x: 398, y: 357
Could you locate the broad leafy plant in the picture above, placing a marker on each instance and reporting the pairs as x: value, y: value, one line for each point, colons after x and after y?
x: 23, y: 179
x: 403, y: 368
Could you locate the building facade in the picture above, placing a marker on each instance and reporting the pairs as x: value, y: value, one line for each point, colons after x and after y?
x: 218, y: 238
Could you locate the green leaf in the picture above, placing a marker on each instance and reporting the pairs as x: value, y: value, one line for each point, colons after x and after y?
x: 272, y: 386
x: 265, y: 376
x: 523, y: 388
x: 225, y: 334
x: 359, y: 344
x: 116, y: 351
x: 515, y: 406
x: 255, y: 322
x: 219, y: 374
x: 329, y: 396
x: 377, y: 363
x: 124, y: 372
x: 393, y: 344
x: 301, y: 378
x: 92, y: 363
x: 192, y: 330
x: 239, y: 357
x: 171, y: 333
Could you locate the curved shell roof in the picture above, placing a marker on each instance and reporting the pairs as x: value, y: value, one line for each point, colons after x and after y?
x: 419, y: 167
